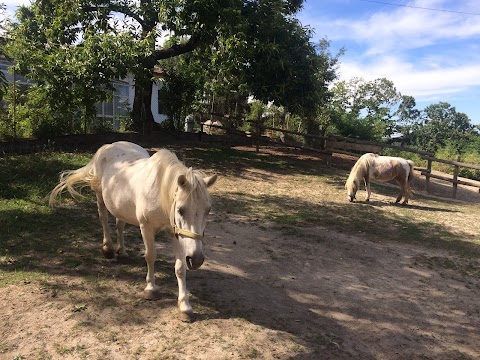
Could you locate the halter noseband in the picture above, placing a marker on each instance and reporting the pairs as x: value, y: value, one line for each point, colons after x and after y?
x: 175, y: 230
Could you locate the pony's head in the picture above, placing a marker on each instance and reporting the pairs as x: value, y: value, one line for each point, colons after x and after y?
x: 352, y: 187
x: 190, y: 209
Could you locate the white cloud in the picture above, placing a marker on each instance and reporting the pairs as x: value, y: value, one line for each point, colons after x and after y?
x: 427, y: 54
x: 422, y: 84
x: 401, y: 28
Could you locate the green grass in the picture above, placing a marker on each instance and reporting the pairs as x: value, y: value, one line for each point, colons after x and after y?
x: 32, y: 232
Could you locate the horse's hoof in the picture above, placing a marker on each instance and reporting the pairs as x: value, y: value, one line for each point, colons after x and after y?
x: 151, y: 294
x: 108, y: 253
x: 186, y: 316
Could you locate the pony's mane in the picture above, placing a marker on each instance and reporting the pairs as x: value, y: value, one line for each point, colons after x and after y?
x: 361, y: 167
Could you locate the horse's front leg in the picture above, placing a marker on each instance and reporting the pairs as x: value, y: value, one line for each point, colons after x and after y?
x: 151, y: 291
x: 107, y: 247
x: 184, y: 307
x: 367, y: 188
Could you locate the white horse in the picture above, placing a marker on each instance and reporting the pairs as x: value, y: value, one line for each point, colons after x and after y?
x: 382, y: 168
x: 155, y: 193
x: 213, y: 130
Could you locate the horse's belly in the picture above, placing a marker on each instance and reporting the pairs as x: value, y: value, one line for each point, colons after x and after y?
x: 119, y: 198
x: 383, y: 172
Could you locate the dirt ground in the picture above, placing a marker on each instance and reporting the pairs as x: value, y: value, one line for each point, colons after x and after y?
x: 262, y: 293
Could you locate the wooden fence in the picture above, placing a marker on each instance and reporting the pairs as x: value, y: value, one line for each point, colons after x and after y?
x: 331, y: 145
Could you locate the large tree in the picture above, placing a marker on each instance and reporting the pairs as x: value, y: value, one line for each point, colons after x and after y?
x: 440, y: 124
x: 72, y: 44
x: 365, y: 109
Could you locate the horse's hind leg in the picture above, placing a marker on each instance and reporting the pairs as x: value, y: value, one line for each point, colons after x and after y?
x: 406, y: 192
x: 399, y: 197
x: 403, y: 193
x: 107, y: 240
x: 121, y: 253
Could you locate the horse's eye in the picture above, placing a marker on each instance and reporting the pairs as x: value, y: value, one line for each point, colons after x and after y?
x: 181, y: 211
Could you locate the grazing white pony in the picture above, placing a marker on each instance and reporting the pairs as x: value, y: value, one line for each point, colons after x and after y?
x: 155, y: 193
x: 383, y: 168
x: 213, y: 130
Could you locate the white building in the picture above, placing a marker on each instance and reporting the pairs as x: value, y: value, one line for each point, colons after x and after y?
x: 113, y: 109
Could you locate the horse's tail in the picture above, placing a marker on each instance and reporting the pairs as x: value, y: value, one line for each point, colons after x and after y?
x: 410, y: 175
x: 75, y: 179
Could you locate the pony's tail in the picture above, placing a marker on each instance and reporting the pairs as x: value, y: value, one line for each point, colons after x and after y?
x: 75, y: 179
x: 410, y: 176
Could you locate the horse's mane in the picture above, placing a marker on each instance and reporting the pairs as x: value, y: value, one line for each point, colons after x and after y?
x: 169, y: 168
x: 360, y: 169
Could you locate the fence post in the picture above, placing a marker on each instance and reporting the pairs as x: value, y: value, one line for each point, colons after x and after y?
x: 427, y: 177
x: 330, y: 154
x: 456, y: 170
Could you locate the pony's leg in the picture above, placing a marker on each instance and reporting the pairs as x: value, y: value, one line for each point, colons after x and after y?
x: 367, y: 188
x: 402, y: 191
x: 151, y: 291
x: 406, y: 192
x: 107, y: 247
x: 184, y: 307
x: 121, y: 253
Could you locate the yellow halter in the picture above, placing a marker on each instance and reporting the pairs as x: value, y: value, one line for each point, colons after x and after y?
x: 175, y: 230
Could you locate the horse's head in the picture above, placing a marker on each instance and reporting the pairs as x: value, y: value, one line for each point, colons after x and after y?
x: 352, y: 187
x: 190, y: 209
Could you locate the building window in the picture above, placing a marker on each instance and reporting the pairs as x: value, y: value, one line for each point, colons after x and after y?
x: 113, y: 109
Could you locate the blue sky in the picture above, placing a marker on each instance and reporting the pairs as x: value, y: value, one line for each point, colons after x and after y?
x: 431, y: 55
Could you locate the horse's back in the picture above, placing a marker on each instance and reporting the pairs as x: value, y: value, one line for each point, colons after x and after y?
x: 121, y: 150
x: 389, y: 167
x: 117, y: 159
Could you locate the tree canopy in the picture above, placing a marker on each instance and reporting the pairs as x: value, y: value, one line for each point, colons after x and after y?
x: 74, y: 48
x: 440, y: 125
x: 365, y: 109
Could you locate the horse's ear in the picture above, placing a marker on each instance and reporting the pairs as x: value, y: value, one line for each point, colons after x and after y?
x: 182, y: 181
x: 209, y: 181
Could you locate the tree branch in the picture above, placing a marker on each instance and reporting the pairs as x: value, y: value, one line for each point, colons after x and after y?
x: 178, y: 49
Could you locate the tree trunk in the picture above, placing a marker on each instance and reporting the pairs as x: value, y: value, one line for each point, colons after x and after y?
x: 142, y: 108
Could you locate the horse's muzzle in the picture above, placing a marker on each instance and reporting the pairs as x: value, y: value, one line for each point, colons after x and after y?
x: 194, y: 262
x: 351, y: 198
